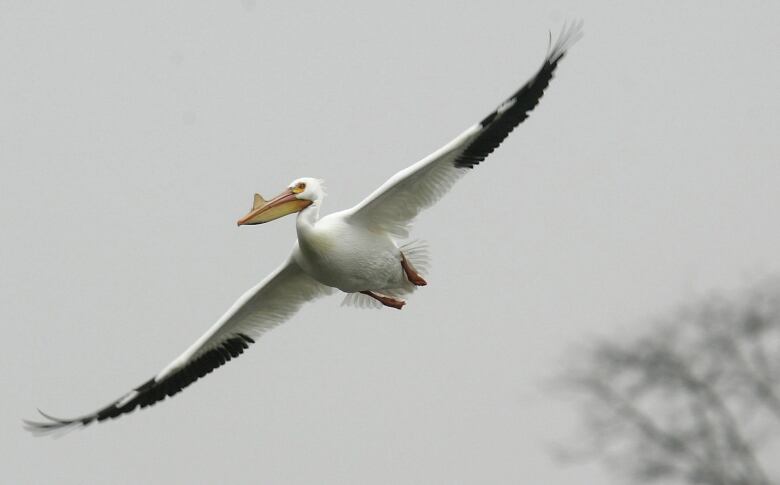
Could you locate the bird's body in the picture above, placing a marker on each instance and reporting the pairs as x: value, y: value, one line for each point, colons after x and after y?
x: 358, y: 251
x: 347, y: 256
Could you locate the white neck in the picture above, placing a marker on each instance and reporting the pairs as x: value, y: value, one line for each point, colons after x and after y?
x: 306, y: 219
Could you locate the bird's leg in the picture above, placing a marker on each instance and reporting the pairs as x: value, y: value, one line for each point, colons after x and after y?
x: 385, y: 300
x: 411, y: 273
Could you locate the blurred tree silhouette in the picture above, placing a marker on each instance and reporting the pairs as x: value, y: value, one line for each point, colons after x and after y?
x: 696, y: 399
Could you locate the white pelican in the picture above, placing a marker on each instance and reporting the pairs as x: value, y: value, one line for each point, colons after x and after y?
x: 355, y: 250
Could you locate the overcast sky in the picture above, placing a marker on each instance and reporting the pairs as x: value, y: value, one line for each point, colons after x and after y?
x: 133, y: 135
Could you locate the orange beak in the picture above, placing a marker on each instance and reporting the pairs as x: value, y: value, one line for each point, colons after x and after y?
x: 266, y: 211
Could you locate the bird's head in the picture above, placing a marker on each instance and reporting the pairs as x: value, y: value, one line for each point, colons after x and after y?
x: 299, y: 195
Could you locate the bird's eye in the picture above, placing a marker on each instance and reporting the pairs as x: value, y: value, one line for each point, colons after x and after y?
x: 299, y: 188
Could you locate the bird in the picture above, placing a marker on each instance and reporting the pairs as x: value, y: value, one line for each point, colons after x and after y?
x: 358, y: 251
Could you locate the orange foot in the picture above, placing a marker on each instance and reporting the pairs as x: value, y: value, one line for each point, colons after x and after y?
x: 385, y: 300
x: 411, y: 274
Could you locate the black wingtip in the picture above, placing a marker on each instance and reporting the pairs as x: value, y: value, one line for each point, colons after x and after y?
x: 549, y: 41
x: 496, y: 126
x: 571, y: 32
x: 54, y: 419
x: 151, y: 391
x: 53, y: 425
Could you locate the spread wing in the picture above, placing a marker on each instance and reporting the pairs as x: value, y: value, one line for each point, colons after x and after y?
x: 394, y: 205
x: 271, y: 302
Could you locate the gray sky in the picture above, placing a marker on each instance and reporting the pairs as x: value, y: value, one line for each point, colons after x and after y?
x: 133, y: 136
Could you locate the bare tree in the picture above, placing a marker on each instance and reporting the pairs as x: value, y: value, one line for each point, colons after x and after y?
x: 695, y: 399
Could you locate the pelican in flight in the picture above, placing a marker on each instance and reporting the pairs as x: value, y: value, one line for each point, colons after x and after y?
x: 355, y: 251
